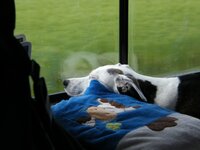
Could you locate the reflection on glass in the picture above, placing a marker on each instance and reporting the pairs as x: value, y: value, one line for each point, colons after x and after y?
x: 69, y: 38
x: 164, y: 36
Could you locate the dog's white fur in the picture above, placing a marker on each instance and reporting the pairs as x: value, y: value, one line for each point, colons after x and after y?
x: 167, y: 88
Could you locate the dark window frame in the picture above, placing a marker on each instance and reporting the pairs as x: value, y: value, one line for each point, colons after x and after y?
x: 123, y: 31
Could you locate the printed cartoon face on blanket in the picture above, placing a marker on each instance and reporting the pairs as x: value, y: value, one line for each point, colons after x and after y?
x: 108, y: 110
x: 105, y: 111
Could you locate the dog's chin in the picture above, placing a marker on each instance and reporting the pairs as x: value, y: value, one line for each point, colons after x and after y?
x: 74, y: 92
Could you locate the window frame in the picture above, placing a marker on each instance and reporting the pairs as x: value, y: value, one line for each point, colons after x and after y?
x: 123, y: 31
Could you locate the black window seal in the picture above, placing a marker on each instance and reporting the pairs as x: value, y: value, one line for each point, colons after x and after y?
x: 123, y: 31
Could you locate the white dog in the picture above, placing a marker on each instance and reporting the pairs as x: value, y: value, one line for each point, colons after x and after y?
x: 180, y: 93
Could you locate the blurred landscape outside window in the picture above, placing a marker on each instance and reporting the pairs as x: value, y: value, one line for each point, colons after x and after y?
x: 70, y: 38
x: 164, y: 36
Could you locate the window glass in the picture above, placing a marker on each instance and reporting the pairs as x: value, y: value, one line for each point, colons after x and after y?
x: 69, y: 37
x: 164, y: 36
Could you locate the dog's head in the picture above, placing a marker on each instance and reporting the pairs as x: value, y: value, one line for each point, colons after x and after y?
x: 116, y: 78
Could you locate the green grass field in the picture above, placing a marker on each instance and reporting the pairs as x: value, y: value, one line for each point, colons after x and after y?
x: 165, y: 34
x: 69, y: 38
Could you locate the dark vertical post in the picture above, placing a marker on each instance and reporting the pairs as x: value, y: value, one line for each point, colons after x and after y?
x: 123, y: 31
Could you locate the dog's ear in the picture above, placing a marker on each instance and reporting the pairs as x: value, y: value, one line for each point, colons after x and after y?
x: 133, y: 79
x: 128, y: 85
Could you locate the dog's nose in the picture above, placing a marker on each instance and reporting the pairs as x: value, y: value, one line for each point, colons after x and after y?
x: 65, y: 82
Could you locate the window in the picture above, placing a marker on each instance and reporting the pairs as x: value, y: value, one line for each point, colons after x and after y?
x: 69, y: 38
x: 164, y: 36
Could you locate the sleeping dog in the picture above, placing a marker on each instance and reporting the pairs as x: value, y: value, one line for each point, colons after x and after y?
x: 180, y: 93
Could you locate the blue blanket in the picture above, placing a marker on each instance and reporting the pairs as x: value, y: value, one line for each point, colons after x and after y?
x: 100, y: 118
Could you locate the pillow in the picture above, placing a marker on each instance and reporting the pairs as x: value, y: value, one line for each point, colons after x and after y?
x: 100, y: 118
x: 103, y: 120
